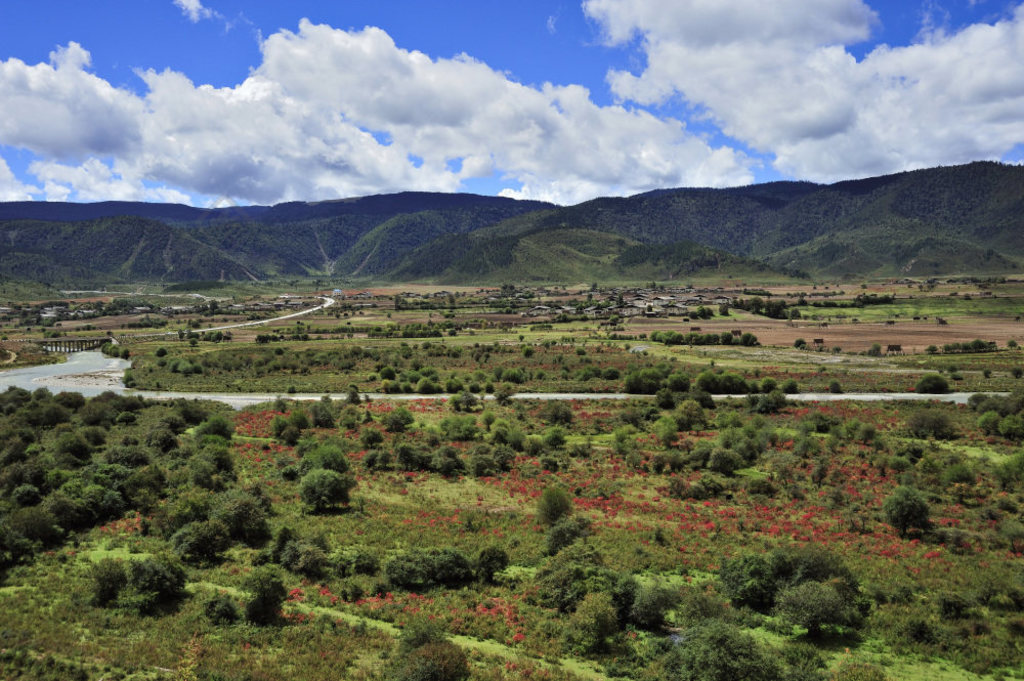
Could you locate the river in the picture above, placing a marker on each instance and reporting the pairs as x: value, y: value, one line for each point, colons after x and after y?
x: 91, y: 373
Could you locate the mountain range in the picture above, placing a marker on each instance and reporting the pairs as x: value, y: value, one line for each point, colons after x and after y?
x: 950, y: 220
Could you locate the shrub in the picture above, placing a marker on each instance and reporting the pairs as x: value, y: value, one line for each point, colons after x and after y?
x: 927, y: 423
x: 220, y: 608
x: 1012, y: 427
x: 651, y: 603
x: 215, y: 425
x: 933, y: 384
x: 906, y: 509
x: 725, y: 461
x: 813, y: 605
x: 593, y: 622
x: 267, y: 594
x: 490, y: 561
x: 435, y: 661
x: 554, y: 503
x: 201, y: 542
x: 152, y: 583
x: 397, y: 420
x: 564, y: 532
x: 717, y: 651
x: 322, y: 489
x: 108, y: 578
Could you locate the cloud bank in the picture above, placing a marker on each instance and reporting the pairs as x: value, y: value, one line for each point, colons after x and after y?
x: 331, y: 113
x: 779, y: 78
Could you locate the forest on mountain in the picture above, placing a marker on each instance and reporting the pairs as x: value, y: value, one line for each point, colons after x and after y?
x: 951, y: 220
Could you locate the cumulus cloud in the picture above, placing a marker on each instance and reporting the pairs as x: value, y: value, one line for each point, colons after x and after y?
x: 94, y: 180
x: 11, y: 189
x: 194, y: 10
x: 780, y: 78
x: 332, y: 113
x: 61, y: 110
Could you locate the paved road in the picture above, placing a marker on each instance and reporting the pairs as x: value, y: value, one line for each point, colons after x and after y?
x: 92, y: 373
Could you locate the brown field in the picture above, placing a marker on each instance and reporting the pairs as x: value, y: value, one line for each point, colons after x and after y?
x: 913, y: 336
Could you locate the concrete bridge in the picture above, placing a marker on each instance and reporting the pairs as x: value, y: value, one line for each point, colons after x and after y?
x: 65, y: 344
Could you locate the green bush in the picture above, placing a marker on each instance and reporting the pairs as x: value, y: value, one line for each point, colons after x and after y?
x: 323, y: 489
x: 215, y: 425
x: 717, y: 651
x: 220, y: 608
x: 564, y: 532
x: 108, y: 578
x: 554, y: 503
x: 592, y: 624
x: 814, y: 605
x: 435, y: 661
x: 906, y: 509
x: 152, y: 583
x: 490, y: 561
x: 266, y: 595
x: 932, y: 384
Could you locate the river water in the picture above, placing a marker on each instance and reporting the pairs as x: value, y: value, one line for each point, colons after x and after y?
x: 91, y: 373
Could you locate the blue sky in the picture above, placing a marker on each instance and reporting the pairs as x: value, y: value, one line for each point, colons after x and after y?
x: 199, y: 101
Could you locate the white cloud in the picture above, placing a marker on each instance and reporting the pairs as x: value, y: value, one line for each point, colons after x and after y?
x: 194, y: 10
x: 94, y: 180
x: 779, y: 78
x: 331, y: 113
x: 10, y: 188
x: 62, y: 111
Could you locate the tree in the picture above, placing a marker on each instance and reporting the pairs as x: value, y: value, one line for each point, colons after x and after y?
x: 906, y: 509
x: 397, y: 420
x: 322, y: 489
x: 215, y: 425
x: 152, y: 582
x: 108, y: 578
x: 490, y: 561
x: 435, y: 661
x: 564, y: 532
x: 593, y: 622
x: 932, y: 384
x: 926, y: 423
x: 267, y: 595
x: 813, y: 605
x: 718, y: 651
x: 554, y: 503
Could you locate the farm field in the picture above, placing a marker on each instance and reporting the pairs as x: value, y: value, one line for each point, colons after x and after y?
x: 657, y: 537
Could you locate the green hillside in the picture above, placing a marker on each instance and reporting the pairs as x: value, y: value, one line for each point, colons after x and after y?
x: 956, y: 220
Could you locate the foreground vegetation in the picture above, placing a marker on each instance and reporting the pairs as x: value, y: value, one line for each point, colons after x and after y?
x: 459, y: 533
x: 658, y: 538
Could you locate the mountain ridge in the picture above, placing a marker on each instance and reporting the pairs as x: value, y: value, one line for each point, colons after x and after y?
x: 932, y: 221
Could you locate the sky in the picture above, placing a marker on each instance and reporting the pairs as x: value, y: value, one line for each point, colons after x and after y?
x: 215, y: 102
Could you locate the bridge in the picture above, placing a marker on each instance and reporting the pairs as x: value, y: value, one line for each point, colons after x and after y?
x: 65, y: 344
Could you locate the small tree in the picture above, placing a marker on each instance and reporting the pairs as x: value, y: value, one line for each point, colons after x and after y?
x: 718, y: 651
x: 268, y: 594
x: 322, y: 489
x: 932, y: 384
x: 490, y: 560
x: 593, y: 622
x: 216, y: 425
x: 554, y: 503
x: 906, y: 509
x: 108, y: 578
x: 813, y: 605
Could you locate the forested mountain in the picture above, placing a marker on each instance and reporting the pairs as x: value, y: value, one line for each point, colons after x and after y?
x: 937, y: 221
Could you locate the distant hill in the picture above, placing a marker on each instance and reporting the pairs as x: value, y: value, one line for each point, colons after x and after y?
x: 961, y: 219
